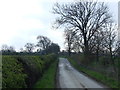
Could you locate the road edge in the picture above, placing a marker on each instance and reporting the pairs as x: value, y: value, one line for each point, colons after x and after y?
x: 57, y: 84
x: 97, y: 81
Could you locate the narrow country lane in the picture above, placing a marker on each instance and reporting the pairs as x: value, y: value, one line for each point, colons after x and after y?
x: 71, y: 78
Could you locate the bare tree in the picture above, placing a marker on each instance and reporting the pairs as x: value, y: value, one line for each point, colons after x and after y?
x: 11, y: 49
x: 29, y: 47
x: 78, y: 45
x: 117, y: 49
x: 85, y: 17
x: 110, y: 41
x: 43, y: 42
x: 110, y: 38
x: 97, y: 43
x: 6, y: 48
x: 21, y: 50
x: 69, y: 36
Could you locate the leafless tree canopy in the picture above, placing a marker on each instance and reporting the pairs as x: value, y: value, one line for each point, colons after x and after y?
x: 29, y: 47
x: 85, y: 19
x: 6, y: 48
x: 69, y: 38
x: 43, y: 42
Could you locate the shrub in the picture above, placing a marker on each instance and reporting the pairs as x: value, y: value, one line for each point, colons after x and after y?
x: 24, y: 70
x: 12, y: 73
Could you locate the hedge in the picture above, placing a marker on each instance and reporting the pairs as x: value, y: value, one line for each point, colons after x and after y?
x: 23, y: 71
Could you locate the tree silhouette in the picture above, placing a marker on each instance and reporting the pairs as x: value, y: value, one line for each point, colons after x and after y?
x: 85, y: 17
x: 43, y: 43
x: 29, y: 47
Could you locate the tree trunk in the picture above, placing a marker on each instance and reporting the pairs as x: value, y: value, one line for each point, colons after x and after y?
x: 112, y: 60
x: 97, y: 56
x: 69, y: 52
x: 86, y: 52
x: 69, y: 49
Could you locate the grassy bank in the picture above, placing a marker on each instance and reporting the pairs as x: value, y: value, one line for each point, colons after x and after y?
x: 110, y: 82
x: 48, y: 79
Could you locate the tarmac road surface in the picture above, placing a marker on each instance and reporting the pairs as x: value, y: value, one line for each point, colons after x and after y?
x: 69, y: 77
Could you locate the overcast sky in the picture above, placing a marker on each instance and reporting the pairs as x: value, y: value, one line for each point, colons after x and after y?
x: 21, y: 21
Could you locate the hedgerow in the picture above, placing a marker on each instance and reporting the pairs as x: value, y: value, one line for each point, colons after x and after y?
x: 23, y: 71
x: 12, y: 73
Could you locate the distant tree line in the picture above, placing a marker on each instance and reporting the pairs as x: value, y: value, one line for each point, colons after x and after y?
x: 43, y: 46
x: 5, y: 49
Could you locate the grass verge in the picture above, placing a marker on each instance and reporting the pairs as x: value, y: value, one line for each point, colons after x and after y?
x: 98, y: 76
x: 48, y: 79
